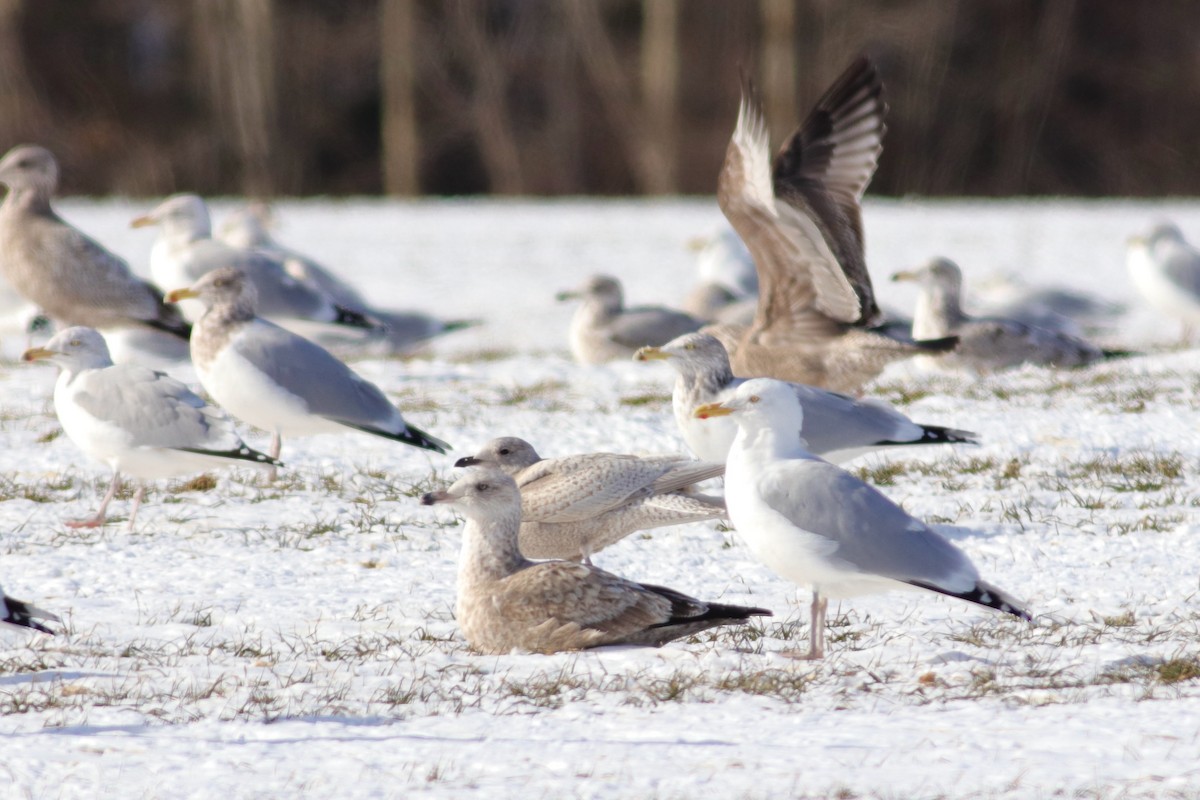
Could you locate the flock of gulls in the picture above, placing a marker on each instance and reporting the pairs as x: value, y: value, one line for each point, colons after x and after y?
x: 772, y: 355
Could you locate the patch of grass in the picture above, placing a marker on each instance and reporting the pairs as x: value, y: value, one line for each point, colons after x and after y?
x: 649, y: 399
x: 200, y: 483
x: 1177, y: 670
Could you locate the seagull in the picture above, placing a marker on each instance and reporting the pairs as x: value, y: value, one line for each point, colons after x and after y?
x: 185, y: 251
x: 801, y: 219
x: 577, y: 505
x: 988, y: 344
x: 1007, y: 294
x: 55, y: 266
x: 816, y: 524
x: 507, y: 602
x: 836, y: 427
x: 138, y: 421
x: 727, y: 291
x: 278, y: 381
x: 604, y: 330
x: 1165, y: 268
x: 20, y: 614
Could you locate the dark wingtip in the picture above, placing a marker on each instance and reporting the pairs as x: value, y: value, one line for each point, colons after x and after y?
x: 427, y: 499
x: 943, y: 345
x: 461, y: 324
x: 356, y: 319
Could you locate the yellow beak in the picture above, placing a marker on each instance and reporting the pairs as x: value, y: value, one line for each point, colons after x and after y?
x: 650, y: 354
x: 143, y: 221
x: 36, y: 353
x: 905, y: 275
x: 711, y: 410
x: 180, y: 294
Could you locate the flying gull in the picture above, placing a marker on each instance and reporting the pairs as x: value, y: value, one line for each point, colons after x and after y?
x: 277, y: 380
x: 55, y: 266
x: 604, y: 330
x: 137, y: 421
x: 20, y: 614
x: 1165, y: 269
x: 577, y: 505
x: 816, y: 524
x: 801, y: 219
x: 507, y: 602
x: 836, y: 427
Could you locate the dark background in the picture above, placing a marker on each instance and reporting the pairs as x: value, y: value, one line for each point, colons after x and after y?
x: 551, y: 97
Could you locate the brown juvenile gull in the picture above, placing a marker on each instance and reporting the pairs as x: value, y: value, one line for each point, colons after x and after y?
x: 137, y: 421
x: 507, y: 602
x: 1165, y: 269
x: 801, y: 219
x: 816, y: 524
x: 836, y: 427
x: 988, y: 344
x: 55, y: 266
x: 20, y: 614
x: 577, y: 505
x: 604, y: 330
x: 278, y: 381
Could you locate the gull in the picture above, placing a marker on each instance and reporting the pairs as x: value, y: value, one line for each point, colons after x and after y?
x: 137, y: 421
x: 20, y: 614
x: 277, y: 380
x: 55, y: 266
x: 836, y: 427
x: 577, y: 505
x: 1165, y: 269
x: 988, y: 344
x: 604, y: 330
x: 816, y: 524
x: 801, y: 219
x: 727, y: 291
x: 185, y: 251
x: 1054, y: 307
x: 507, y: 602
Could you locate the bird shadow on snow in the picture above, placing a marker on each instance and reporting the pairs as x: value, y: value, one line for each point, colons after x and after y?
x: 50, y: 675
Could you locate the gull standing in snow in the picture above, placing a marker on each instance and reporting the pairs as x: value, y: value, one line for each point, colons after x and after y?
x: 507, y: 602
x: 58, y: 268
x: 577, y: 505
x: 1165, y: 269
x: 20, y: 614
x: 801, y: 219
x: 185, y: 251
x: 140, y: 422
x: 836, y: 427
x: 277, y: 380
x: 987, y: 344
x: 816, y: 524
x: 604, y: 330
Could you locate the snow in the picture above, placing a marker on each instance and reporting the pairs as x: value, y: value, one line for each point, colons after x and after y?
x: 297, y: 639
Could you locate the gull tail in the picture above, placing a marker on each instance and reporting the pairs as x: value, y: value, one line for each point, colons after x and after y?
x: 944, y: 345
x: 24, y: 615
x: 178, y: 328
x: 243, y: 453
x: 410, y: 435
x: 689, y: 616
x: 356, y: 319
x: 985, y: 595
x: 1119, y: 353
x: 936, y: 434
x: 459, y: 324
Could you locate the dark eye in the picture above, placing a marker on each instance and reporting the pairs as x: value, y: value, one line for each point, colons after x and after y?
x: 504, y: 451
x: 75, y: 343
x: 483, y: 487
x: 754, y: 398
x: 689, y: 346
x: 221, y: 282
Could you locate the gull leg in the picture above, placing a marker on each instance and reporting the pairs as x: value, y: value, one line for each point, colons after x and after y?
x: 816, y: 633
x: 96, y: 520
x: 276, y: 446
x: 137, y: 503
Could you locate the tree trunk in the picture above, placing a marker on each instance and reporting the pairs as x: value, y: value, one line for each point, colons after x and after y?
x: 660, y: 88
x: 400, y: 134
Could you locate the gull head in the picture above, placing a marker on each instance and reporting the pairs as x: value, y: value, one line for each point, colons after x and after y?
x: 247, y: 227
x: 224, y: 285
x: 507, y: 453
x: 483, y: 492
x: 938, y: 271
x: 29, y: 166
x: 180, y: 215
x: 74, y: 348
x: 759, y: 402
x: 602, y: 288
x: 690, y: 353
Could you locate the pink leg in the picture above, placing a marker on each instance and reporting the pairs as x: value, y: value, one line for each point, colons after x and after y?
x: 816, y: 634
x: 137, y: 503
x: 276, y: 446
x: 97, y: 520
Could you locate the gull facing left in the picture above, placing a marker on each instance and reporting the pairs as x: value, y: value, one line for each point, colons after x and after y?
x: 816, y: 524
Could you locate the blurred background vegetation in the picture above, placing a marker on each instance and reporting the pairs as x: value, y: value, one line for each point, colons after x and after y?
x: 554, y: 97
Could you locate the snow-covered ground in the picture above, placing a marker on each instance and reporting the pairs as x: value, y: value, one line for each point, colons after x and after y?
x: 296, y: 639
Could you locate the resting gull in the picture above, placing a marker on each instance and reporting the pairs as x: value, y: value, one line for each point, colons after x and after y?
x: 604, y: 330
x: 20, y: 614
x: 55, y: 266
x: 987, y: 344
x: 801, y: 219
x: 816, y: 524
x: 277, y: 380
x: 727, y: 287
x: 507, y: 602
x: 836, y: 427
x: 1165, y: 269
x: 140, y: 422
x: 577, y: 505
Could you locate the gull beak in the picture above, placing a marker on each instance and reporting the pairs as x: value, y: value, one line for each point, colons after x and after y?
x: 143, y: 221
x: 467, y: 461
x: 180, y: 294
x: 1137, y: 240
x: 651, y: 354
x: 905, y: 275
x: 562, y: 297
x: 697, y: 243
x: 433, y: 498
x: 38, y: 353
x: 712, y: 410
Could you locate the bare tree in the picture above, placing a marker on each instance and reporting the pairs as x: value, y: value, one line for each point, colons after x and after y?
x: 400, y: 133
x: 21, y: 112
x: 777, y: 65
x: 660, y: 87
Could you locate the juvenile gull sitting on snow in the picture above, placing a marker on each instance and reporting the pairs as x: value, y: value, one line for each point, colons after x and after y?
x: 506, y: 602
x: 58, y: 268
x: 577, y: 505
x: 836, y: 427
x: 816, y: 524
x: 20, y: 614
x: 604, y: 330
x: 987, y: 344
x: 140, y: 422
x: 279, y: 381
x: 1165, y: 269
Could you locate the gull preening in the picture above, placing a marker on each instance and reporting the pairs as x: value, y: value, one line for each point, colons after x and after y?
x: 801, y: 219
x: 61, y: 270
x: 574, y: 506
x: 836, y: 427
x: 20, y: 614
x: 603, y: 329
x: 818, y: 525
x: 1165, y: 269
x: 507, y: 602
x: 277, y: 380
x: 139, y: 422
